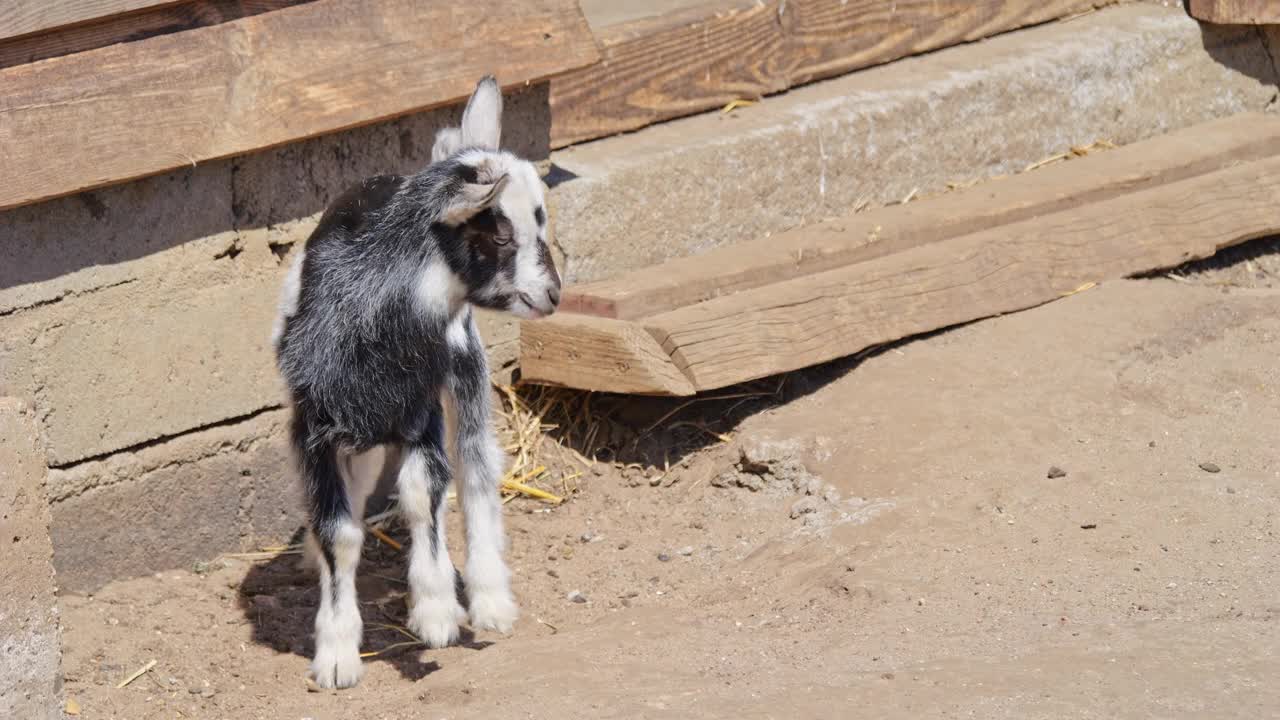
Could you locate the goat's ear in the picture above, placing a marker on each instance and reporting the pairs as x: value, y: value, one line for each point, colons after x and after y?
x: 448, y: 142
x: 482, y: 120
x: 471, y: 199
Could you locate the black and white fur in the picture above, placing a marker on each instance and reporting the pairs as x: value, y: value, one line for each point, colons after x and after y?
x: 376, y: 340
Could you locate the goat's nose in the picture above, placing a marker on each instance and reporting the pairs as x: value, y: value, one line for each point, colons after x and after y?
x: 553, y: 294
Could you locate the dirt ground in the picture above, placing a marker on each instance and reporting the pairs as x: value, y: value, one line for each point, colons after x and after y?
x: 1065, y: 512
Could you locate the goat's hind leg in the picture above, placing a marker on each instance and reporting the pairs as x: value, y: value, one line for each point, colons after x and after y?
x: 339, y: 536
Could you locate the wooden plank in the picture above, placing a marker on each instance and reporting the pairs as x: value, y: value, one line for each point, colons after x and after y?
x: 864, y: 236
x: 690, y: 61
x: 1236, y: 12
x: 809, y: 320
x: 126, y: 111
x: 597, y: 354
x: 22, y: 17
x: 132, y: 27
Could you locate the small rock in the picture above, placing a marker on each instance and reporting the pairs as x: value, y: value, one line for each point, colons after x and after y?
x: 553, y: 572
x: 208, y: 693
x: 696, y: 524
x: 750, y: 466
x: 1210, y: 467
x: 1151, y: 444
x: 728, y: 478
x: 686, y: 551
x: 624, y: 544
x: 1056, y: 472
x: 663, y: 557
x: 1088, y: 526
x: 265, y: 602
x: 804, y: 506
x: 577, y: 597
x: 754, y: 483
x: 588, y: 536
x: 1231, y: 490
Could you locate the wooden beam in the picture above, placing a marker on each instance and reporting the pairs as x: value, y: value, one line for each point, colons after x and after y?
x: 619, y: 356
x: 1236, y: 12
x: 694, y: 60
x: 117, y: 113
x: 132, y: 27
x: 864, y: 236
x: 816, y: 318
x: 22, y: 17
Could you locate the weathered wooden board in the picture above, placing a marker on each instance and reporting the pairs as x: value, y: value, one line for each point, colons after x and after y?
x: 868, y: 235
x: 820, y: 317
x: 21, y: 17
x: 1236, y: 12
x: 117, y: 113
x: 131, y: 27
x: 592, y: 353
x: 693, y: 60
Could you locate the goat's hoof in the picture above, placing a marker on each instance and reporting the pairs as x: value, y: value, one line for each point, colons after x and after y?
x: 332, y: 670
x: 493, y: 610
x: 436, y: 623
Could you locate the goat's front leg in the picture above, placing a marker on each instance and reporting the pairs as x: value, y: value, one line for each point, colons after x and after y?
x: 488, y: 582
x: 434, y: 611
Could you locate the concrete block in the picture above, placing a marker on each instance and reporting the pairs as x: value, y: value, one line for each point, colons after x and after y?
x: 169, y: 504
x: 877, y: 136
x: 30, y: 643
x: 147, y: 360
x: 111, y: 236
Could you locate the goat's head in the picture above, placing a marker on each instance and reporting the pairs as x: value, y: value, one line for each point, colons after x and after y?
x: 498, y: 208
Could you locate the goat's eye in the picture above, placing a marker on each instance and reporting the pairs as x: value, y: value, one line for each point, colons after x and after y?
x: 501, y: 239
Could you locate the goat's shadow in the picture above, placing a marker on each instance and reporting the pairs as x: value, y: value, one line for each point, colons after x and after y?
x: 279, y: 598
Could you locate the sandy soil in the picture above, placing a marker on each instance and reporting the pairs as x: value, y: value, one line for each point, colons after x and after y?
x: 896, y: 549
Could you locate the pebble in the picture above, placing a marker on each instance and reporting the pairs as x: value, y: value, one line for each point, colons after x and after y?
x: 1056, y: 472
x: 208, y: 693
x: 1210, y: 467
x: 588, y: 536
x: 577, y: 597
x: 553, y: 572
x: 663, y: 557
x: 1231, y: 490
x: 804, y: 506
x: 1088, y: 526
x: 686, y: 551
x: 624, y: 544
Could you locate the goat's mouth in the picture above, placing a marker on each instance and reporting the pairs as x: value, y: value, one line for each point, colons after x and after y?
x: 525, y: 307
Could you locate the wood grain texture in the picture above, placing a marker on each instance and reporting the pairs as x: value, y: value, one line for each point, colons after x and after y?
x: 126, y: 111
x: 1236, y: 12
x: 816, y: 318
x: 132, y: 27
x: 591, y: 353
x: 864, y: 236
x: 661, y: 68
x: 21, y: 17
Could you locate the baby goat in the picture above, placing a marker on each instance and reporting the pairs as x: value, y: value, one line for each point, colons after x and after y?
x: 376, y: 338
